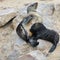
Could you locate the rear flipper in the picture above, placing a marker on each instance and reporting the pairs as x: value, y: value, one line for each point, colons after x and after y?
x: 52, y: 48
x: 56, y: 40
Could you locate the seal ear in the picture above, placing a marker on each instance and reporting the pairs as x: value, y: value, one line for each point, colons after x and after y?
x: 32, y: 7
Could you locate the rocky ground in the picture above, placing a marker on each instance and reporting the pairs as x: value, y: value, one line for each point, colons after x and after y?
x: 14, y: 48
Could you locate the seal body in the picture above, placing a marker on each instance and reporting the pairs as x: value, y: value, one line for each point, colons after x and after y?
x: 33, y: 23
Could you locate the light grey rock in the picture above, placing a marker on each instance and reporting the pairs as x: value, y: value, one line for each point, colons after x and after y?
x: 38, y: 55
x: 14, y: 38
x: 6, y: 15
x: 14, y: 55
x: 45, y: 9
x: 33, y: 55
x: 48, y: 21
x: 27, y: 57
x: 23, y: 11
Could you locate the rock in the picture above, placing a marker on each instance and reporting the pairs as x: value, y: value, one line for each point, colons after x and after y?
x: 1, y: 0
x: 13, y: 56
x: 44, y: 45
x: 34, y: 55
x: 38, y: 55
x: 12, y: 47
x: 6, y: 15
x: 27, y: 57
x: 14, y: 38
x: 45, y: 9
x: 57, y: 8
x: 23, y: 11
x: 42, y: 9
x: 16, y: 21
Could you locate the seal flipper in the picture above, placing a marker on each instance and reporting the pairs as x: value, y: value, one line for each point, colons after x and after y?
x: 56, y: 40
x: 52, y: 48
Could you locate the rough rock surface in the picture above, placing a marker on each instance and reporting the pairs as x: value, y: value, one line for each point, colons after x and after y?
x: 11, y: 46
x: 44, y: 8
x: 34, y: 55
x: 49, y: 13
x: 27, y: 57
x: 6, y: 15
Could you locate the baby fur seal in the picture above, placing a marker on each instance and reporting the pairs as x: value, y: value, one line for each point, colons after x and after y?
x: 39, y: 31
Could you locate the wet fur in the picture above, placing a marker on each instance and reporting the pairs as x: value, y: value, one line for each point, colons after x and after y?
x: 39, y: 31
